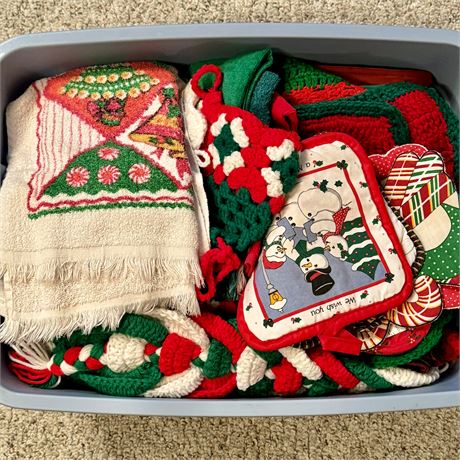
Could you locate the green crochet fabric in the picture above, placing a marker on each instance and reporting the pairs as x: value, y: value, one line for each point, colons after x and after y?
x: 297, y: 74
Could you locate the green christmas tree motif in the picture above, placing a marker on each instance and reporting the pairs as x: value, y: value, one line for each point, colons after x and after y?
x: 249, y: 306
x: 360, y: 256
x: 364, y: 294
x: 363, y: 184
x: 342, y: 164
x: 318, y: 162
x: 110, y: 168
x: 338, y: 183
x: 376, y: 220
x: 106, y: 88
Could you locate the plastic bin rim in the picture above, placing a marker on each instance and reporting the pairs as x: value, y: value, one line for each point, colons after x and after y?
x: 231, y: 30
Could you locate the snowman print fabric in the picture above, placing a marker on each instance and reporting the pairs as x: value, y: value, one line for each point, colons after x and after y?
x: 331, y: 256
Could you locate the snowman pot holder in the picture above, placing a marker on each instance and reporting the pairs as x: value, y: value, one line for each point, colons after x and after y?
x: 331, y: 256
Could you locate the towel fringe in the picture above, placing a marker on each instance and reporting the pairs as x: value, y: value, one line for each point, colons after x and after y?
x: 112, y: 269
x: 47, y: 329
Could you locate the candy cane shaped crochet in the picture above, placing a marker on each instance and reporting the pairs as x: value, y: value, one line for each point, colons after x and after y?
x: 423, y: 306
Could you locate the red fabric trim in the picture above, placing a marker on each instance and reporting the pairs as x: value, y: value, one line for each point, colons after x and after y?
x: 332, y: 326
x: 342, y: 342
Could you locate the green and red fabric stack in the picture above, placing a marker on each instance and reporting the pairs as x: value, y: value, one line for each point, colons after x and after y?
x: 379, y: 117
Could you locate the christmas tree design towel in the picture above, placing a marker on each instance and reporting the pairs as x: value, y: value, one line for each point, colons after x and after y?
x: 97, y: 207
x: 331, y: 257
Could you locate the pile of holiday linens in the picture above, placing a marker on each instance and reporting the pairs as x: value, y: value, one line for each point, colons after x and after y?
x: 255, y: 226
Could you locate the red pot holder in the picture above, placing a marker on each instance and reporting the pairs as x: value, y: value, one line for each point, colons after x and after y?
x: 330, y: 258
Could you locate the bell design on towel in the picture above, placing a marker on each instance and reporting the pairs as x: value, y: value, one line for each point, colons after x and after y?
x: 164, y: 129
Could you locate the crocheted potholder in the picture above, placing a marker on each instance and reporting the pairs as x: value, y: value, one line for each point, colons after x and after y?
x: 247, y: 169
x: 248, y: 166
x: 331, y: 256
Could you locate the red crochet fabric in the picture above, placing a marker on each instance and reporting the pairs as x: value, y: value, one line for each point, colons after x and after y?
x: 379, y: 117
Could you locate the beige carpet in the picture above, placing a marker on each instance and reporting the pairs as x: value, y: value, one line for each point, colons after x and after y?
x: 419, y: 435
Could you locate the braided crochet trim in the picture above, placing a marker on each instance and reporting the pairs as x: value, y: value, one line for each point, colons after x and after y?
x: 166, y: 354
